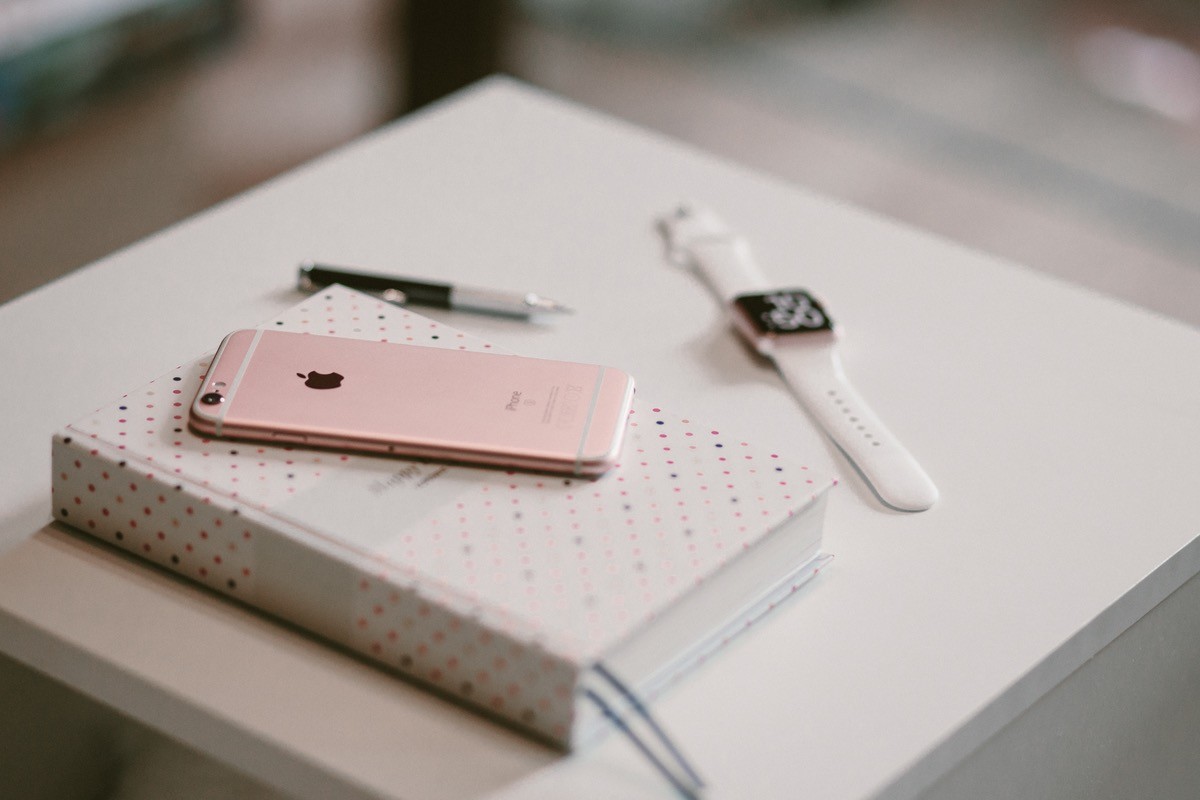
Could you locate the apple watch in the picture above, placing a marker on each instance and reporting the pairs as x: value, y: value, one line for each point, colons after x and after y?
x: 793, y: 329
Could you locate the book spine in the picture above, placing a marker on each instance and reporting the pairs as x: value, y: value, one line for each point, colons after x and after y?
x: 365, y: 606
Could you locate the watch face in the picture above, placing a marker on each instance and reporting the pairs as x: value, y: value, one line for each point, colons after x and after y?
x: 784, y: 312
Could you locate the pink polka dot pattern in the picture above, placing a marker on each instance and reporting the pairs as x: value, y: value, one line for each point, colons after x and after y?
x: 580, y: 563
x: 455, y: 651
x: 203, y: 537
x: 500, y: 592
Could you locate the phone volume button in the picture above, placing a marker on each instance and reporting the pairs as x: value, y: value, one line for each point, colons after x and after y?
x: 295, y: 438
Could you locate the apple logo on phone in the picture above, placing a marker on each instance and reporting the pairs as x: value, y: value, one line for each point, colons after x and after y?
x: 321, y: 380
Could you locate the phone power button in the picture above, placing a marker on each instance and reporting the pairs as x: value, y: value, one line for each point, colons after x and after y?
x: 296, y: 438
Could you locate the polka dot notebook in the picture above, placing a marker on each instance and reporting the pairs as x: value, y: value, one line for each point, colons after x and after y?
x: 502, y: 590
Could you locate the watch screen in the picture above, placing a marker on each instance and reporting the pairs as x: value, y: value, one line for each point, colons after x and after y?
x: 784, y: 311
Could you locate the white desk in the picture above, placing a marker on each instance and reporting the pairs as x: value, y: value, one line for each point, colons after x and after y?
x: 1062, y: 427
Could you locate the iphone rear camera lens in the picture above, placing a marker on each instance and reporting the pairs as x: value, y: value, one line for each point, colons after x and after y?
x: 211, y: 399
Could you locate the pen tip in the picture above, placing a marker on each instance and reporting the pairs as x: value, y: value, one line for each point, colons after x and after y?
x: 536, y: 303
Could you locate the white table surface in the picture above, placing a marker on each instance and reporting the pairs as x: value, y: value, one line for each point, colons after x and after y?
x: 1063, y: 429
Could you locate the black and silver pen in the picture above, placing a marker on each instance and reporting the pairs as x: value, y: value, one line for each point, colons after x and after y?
x: 404, y: 291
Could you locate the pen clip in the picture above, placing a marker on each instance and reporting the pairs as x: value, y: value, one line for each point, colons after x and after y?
x: 304, y: 281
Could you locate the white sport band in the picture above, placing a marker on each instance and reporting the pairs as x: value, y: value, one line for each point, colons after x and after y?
x: 808, y: 363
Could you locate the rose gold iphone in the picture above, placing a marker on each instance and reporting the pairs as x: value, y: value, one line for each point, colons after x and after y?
x: 420, y: 402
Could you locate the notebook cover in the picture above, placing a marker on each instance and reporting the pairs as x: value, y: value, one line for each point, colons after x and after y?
x: 495, y: 588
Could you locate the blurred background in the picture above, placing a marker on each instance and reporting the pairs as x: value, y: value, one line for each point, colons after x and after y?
x: 1060, y: 134
x: 1063, y: 134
